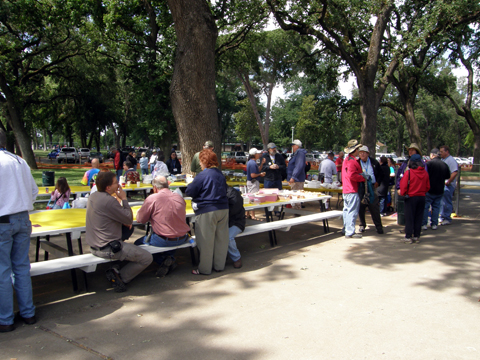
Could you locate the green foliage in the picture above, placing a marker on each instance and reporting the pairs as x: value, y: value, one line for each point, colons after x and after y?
x: 246, y: 126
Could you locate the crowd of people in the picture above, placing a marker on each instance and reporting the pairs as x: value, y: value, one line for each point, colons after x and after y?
x: 219, y: 212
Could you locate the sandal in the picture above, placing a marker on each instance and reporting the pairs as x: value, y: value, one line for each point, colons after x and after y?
x: 196, y: 272
x: 248, y: 216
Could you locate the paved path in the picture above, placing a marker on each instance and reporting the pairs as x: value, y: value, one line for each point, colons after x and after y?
x: 314, y: 296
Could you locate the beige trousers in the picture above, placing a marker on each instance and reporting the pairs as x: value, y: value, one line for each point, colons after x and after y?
x: 211, y: 235
x: 297, y: 186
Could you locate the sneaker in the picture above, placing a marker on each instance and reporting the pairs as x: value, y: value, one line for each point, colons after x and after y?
x: 434, y: 227
x: 353, y: 236
x: 424, y: 227
x: 114, y: 278
x: 407, y: 240
x: 416, y: 240
x: 361, y: 229
x: 384, y: 214
x: 165, y: 267
x: 446, y: 222
x: 380, y: 231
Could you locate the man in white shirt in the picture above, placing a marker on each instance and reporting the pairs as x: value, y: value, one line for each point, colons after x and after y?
x: 153, y: 160
x: 328, y: 168
x: 17, y: 194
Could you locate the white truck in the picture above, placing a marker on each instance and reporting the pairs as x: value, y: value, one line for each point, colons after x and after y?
x: 68, y: 154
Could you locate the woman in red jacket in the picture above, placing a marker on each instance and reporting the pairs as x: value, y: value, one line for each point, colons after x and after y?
x: 414, y: 185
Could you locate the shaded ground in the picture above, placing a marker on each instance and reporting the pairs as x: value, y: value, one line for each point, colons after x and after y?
x: 314, y: 296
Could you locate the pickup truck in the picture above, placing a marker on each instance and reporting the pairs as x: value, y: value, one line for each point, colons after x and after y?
x: 68, y: 154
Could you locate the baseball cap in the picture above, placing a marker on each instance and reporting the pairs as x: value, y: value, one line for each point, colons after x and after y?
x: 415, y: 157
x: 364, y: 148
x: 297, y: 142
x: 271, y: 146
x: 208, y: 144
x: 254, y: 151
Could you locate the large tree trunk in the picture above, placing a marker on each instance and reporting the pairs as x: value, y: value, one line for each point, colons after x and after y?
x: 411, y: 122
x: 192, y: 89
x: 476, y: 153
x: 21, y: 135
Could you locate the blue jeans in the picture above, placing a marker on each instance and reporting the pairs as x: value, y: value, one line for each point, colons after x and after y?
x: 119, y: 173
x: 15, y: 267
x: 144, y: 171
x: 383, y: 204
x: 434, y: 201
x: 232, y: 245
x: 351, y: 206
x: 272, y: 184
x: 159, y: 241
x: 447, y: 205
x: 152, y: 166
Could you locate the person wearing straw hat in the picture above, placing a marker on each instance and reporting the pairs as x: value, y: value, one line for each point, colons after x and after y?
x: 412, y: 149
x: 371, y: 168
x: 296, y: 169
x: 352, y: 175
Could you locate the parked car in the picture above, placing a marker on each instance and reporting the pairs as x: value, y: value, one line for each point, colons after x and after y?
x: 84, y: 152
x: 96, y: 155
x: 68, y: 154
x: 53, y: 154
x: 238, y: 156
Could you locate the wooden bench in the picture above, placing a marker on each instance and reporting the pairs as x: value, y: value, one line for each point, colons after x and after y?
x: 286, y: 224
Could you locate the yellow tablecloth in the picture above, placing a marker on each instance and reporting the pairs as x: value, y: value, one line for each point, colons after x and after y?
x: 73, y: 189
x: 54, y: 220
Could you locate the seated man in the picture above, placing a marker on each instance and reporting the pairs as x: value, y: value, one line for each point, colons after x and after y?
x: 166, y: 211
x: 130, y: 173
x: 90, y: 175
x: 236, y: 224
x: 105, y: 216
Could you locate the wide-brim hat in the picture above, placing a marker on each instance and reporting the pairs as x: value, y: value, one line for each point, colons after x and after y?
x: 416, y: 147
x: 352, y: 146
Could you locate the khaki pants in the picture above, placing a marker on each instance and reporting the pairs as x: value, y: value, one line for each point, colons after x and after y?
x: 138, y: 259
x: 297, y: 186
x: 211, y: 235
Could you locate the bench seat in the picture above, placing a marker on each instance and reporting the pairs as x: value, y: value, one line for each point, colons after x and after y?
x: 89, y: 262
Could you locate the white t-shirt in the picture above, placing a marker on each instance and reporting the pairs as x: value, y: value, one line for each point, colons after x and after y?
x: 328, y: 168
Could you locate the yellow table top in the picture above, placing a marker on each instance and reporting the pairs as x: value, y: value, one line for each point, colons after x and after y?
x: 55, y: 220
x: 135, y: 187
x: 73, y: 189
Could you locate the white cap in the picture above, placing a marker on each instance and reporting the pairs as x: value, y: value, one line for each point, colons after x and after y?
x: 297, y: 142
x: 364, y: 148
x: 254, y: 151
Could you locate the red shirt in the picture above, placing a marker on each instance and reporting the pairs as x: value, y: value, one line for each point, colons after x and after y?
x: 339, y: 163
x: 166, y: 212
x: 116, y: 161
x: 351, y: 171
x: 419, y: 182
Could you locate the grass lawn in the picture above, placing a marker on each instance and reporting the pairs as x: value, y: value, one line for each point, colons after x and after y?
x: 73, y: 176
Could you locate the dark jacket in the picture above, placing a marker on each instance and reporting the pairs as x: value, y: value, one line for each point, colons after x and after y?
x: 273, y: 175
x: 174, y: 164
x: 208, y: 191
x: 383, y: 188
x: 296, y: 166
x: 376, y: 169
x: 132, y: 160
x: 438, y: 172
x: 236, y: 211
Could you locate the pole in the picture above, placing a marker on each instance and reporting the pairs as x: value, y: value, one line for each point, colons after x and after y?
x: 457, y: 192
x: 293, y: 127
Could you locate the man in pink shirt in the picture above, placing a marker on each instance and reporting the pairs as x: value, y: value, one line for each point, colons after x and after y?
x: 351, y: 176
x: 166, y: 212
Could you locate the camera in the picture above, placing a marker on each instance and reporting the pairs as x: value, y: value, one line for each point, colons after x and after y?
x: 116, y: 246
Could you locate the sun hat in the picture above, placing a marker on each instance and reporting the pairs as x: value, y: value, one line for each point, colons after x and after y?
x: 352, y: 146
x: 297, y: 142
x: 416, y: 147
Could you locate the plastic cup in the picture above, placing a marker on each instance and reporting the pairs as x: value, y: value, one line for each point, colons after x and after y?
x: 129, y: 183
x: 138, y: 183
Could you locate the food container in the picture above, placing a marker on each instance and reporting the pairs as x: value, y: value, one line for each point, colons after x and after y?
x: 259, y: 198
x: 270, y: 197
x: 269, y: 191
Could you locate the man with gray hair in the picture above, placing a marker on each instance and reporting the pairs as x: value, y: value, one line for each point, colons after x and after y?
x: 166, y: 212
x: 17, y: 194
x: 273, y: 166
x: 195, y: 165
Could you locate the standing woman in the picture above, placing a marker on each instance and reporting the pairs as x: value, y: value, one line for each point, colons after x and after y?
x: 208, y: 191
x: 413, y: 186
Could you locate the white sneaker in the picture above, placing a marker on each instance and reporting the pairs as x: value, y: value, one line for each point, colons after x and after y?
x: 424, y: 227
x: 446, y: 222
x: 434, y: 227
x: 361, y: 229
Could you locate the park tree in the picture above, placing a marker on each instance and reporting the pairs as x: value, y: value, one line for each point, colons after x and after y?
x: 245, y: 125
x: 36, y: 39
x: 365, y: 36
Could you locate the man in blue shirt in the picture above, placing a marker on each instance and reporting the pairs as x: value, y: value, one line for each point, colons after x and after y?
x: 447, y: 205
x: 296, y: 169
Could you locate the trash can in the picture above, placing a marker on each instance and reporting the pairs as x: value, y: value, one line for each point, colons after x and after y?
x: 48, y: 178
x: 400, y: 210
